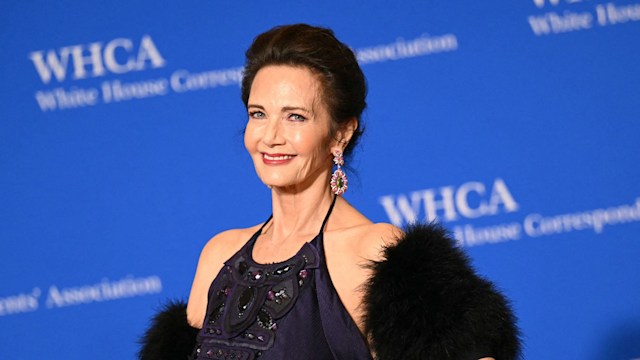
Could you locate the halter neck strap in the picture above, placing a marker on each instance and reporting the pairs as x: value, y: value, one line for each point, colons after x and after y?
x: 326, y: 218
x: 264, y: 224
x: 324, y: 222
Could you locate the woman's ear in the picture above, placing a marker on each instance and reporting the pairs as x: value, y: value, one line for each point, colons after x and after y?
x: 344, y: 134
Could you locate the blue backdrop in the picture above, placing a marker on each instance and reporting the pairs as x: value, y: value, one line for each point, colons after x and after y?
x: 516, y: 124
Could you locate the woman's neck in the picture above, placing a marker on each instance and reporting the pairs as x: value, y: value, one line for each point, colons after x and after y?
x: 298, y: 213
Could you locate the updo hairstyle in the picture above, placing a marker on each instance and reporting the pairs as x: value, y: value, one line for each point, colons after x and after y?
x: 343, y: 85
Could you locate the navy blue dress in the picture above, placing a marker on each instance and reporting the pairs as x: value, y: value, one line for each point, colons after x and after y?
x: 284, y: 310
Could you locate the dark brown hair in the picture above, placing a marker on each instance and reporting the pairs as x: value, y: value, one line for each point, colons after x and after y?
x: 343, y: 84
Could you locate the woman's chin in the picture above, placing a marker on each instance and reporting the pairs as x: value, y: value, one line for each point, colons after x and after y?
x: 277, y: 183
x: 283, y: 186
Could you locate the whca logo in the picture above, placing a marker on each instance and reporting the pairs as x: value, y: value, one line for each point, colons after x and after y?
x: 470, y: 200
x: 96, y: 59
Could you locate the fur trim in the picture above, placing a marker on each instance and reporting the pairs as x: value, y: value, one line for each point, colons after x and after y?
x: 425, y: 301
x: 170, y: 337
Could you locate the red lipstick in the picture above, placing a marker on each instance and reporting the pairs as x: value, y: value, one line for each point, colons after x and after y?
x: 276, y: 159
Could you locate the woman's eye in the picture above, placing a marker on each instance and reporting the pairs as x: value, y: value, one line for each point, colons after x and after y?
x: 256, y: 114
x: 297, y: 117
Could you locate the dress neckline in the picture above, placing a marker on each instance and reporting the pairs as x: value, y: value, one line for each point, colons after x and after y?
x: 316, y: 241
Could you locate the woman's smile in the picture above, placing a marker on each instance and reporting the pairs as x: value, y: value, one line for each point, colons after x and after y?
x: 276, y: 159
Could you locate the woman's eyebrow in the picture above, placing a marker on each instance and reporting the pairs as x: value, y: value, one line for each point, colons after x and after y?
x: 284, y: 108
x: 290, y: 108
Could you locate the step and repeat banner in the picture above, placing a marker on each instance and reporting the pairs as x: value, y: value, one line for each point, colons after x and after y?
x: 514, y: 124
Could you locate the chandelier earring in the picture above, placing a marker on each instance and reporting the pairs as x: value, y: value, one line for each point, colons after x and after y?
x: 339, y: 180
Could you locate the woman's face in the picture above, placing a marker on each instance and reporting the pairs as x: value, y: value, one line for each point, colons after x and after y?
x: 288, y: 131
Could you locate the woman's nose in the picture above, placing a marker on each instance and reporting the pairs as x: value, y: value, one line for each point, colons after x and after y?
x: 273, y: 134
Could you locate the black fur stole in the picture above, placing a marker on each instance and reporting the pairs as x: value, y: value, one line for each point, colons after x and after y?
x: 426, y: 302
x: 170, y: 337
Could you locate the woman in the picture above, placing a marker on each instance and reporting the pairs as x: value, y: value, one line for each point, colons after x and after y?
x: 318, y: 280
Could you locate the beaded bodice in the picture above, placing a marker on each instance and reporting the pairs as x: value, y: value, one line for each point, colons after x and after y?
x: 285, y: 310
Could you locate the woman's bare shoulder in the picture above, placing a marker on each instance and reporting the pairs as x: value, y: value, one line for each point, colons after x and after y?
x: 226, y: 243
x: 370, y: 239
x: 366, y: 238
x: 378, y: 236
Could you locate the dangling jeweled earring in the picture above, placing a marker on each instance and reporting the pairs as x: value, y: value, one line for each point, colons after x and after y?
x: 339, y: 180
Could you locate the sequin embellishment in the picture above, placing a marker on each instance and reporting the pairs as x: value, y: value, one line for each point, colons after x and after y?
x: 246, y: 300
